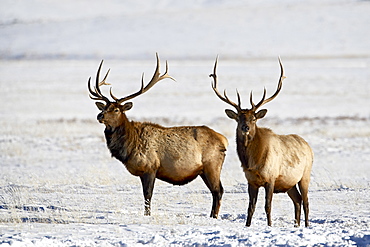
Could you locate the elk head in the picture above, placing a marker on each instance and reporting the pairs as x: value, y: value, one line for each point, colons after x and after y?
x: 113, y: 112
x: 246, y: 118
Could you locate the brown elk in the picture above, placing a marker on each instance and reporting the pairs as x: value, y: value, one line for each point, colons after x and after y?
x: 276, y: 162
x: 176, y: 155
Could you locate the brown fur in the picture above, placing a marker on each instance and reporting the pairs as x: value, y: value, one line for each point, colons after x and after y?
x: 276, y: 162
x: 176, y: 155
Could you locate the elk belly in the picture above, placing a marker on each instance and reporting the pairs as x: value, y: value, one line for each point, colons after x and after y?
x: 180, y: 170
x: 179, y: 176
x: 283, y: 183
x: 180, y: 164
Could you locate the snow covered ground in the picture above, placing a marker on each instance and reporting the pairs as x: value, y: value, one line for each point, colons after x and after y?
x: 60, y: 187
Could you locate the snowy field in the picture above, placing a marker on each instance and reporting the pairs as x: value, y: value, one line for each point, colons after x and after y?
x: 60, y: 187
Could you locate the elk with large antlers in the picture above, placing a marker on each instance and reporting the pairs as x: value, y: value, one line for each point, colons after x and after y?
x: 176, y: 155
x: 276, y: 162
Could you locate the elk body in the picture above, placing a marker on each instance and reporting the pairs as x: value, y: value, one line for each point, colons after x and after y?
x: 279, y: 163
x: 175, y: 155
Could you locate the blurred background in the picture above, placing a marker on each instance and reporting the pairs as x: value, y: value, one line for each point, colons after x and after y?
x: 195, y: 29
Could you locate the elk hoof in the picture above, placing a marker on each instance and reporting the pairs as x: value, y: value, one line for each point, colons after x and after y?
x: 215, y: 216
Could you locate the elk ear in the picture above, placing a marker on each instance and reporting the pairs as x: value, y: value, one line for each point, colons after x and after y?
x: 100, y: 105
x: 231, y: 114
x: 126, y: 106
x: 261, y: 114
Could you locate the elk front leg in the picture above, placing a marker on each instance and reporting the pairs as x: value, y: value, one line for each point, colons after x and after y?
x: 253, y: 194
x: 147, y: 181
x: 269, y: 188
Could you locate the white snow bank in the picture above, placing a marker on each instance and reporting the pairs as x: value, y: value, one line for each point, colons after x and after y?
x: 191, y: 29
x: 59, y: 185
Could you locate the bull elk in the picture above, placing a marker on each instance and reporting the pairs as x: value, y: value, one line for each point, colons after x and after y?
x: 276, y: 162
x: 176, y: 155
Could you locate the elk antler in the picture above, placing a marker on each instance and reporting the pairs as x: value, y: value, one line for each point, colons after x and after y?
x: 263, y: 100
x: 223, y: 98
x: 156, y: 78
x: 96, y: 94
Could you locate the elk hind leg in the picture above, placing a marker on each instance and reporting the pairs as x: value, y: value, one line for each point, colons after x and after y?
x: 147, y: 181
x: 214, y: 185
x: 297, y: 201
x: 303, y: 187
x: 253, y: 194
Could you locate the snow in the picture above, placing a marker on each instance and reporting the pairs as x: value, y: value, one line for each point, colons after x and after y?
x: 60, y: 187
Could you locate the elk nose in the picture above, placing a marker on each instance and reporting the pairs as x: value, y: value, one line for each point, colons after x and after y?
x: 245, y: 128
x: 100, y: 116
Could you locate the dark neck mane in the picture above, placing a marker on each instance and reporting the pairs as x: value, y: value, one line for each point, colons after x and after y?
x: 251, y: 150
x: 121, y: 140
x: 241, y: 149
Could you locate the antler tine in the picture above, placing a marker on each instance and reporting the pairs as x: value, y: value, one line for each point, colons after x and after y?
x: 280, y: 85
x: 262, y: 101
x: 97, y: 84
x: 105, y: 78
x: 111, y: 94
x: 239, y: 101
x: 223, y: 98
x: 98, y: 94
x: 156, y: 78
x: 251, y: 100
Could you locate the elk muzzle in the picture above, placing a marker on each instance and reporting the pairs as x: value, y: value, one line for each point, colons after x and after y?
x: 100, y: 117
x: 245, y: 129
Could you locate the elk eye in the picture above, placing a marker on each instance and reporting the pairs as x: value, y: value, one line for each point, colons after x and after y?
x: 116, y: 110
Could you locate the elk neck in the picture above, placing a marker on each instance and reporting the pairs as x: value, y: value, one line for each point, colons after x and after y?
x: 251, y: 150
x: 121, y: 140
